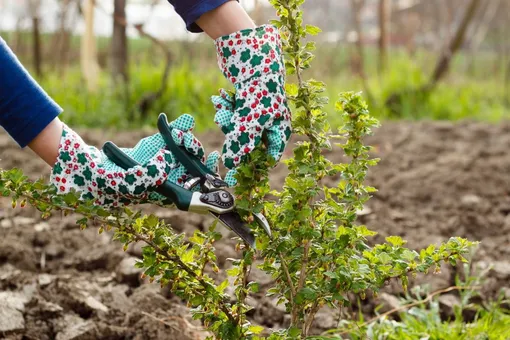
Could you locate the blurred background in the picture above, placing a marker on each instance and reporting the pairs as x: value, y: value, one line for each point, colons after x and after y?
x: 117, y: 63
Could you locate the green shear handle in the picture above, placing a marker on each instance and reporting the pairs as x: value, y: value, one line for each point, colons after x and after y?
x: 208, y: 179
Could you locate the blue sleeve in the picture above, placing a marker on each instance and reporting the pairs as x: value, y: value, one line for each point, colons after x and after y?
x: 191, y: 10
x: 25, y: 109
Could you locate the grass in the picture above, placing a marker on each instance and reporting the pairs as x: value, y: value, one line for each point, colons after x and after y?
x: 188, y: 91
x: 425, y: 323
x: 459, y: 97
x: 421, y: 316
x: 475, y: 88
x: 190, y: 87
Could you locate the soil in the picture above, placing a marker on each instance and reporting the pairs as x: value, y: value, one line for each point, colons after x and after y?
x: 435, y: 180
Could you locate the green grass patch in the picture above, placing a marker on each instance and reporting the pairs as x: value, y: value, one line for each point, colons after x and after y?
x: 188, y: 91
x: 474, y: 89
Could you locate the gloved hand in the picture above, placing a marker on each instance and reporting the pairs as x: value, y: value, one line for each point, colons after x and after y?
x: 87, y: 170
x: 252, y: 60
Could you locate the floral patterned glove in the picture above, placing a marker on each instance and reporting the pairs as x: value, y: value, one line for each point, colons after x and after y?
x: 252, y: 60
x: 87, y: 170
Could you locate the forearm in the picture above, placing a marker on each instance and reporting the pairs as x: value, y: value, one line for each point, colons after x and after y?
x: 226, y: 19
x: 27, y: 113
x: 47, y: 142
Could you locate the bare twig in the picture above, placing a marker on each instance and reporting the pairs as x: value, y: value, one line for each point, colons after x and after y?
x: 289, y: 279
x: 161, y: 321
x: 147, y: 99
x: 310, y: 318
x: 301, y: 282
x: 443, y: 64
x: 480, y: 31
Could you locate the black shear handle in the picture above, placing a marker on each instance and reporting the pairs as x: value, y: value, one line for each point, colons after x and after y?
x: 175, y: 194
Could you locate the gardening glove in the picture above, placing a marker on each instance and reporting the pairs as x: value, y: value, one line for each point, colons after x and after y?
x: 252, y: 60
x: 87, y: 170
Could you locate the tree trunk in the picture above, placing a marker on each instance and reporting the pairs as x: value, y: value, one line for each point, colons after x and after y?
x: 64, y: 37
x: 119, y: 51
x: 36, y: 46
x: 147, y: 100
x: 384, y: 21
x: 455, y: 44
x: 359, y: 57
x: 394, y: 101
x: 89, y: 65
x: 357, y: 6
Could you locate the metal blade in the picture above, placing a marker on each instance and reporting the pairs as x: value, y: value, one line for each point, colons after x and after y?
x: 233, y: 221
x: 262, y: 221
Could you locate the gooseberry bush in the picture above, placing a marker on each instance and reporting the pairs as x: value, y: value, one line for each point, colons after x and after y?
x: 317, y: 257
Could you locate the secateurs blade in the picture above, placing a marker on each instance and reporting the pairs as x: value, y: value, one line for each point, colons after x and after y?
x: 212, y: 197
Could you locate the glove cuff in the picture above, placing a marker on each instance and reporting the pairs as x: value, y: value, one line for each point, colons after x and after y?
x: 250, y: 53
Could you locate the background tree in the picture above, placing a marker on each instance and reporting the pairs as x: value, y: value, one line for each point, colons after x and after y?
x: 358, y: 60
x: 62, y: 38
x: 89, y: 65
x: 384, y: 31
x: 394, y: 101
x: 34, y: 8
x: 119, y: 45
x: 455, y: 44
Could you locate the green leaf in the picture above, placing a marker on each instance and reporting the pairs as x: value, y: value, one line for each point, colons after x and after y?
x: 221, y: 288
x: 70, y: 199
x: 291, y: 89
x: 312, y: 30
x: 152, y: 221
x: 197, y: 238
x: 306, y: 293
x: 294, y: 332
x: 234, y: 272
x: 384, y: 258
x: 409, y: 255
x: 397, y: 241
x: 255, y: 329
x: 253, y: 287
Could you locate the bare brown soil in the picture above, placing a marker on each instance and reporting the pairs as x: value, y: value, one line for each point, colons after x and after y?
x: 435, y: 180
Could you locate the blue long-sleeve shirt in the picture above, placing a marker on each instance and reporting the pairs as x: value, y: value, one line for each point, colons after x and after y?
x: 25, y: 109
x: 191, y: 10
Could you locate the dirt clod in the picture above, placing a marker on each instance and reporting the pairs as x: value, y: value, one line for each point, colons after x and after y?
x: 447, y: 303
x: 127, y: 272
x: 11, y: 319
x: 388, y: 302
x: 78, y: 330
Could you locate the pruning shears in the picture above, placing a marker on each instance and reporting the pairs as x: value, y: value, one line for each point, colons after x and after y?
x: 211, y: 199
